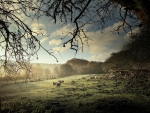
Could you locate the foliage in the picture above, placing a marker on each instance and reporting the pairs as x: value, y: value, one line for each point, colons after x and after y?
x: 77, y: 62
x: 47, y: 73
x: 66, y: 70
x: 37, y: 71
x: 95, y: 67
x: 134, y: 54
x: 85, y: 67
x: 138, y: 7
x: 138, y: 45
x: 119, y: 60
x: 56, y: 70
x: 133, y: 57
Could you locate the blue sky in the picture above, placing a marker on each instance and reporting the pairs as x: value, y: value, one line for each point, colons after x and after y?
x: 98, y: 49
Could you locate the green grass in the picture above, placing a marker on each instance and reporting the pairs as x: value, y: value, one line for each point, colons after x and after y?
x: 76, y: 95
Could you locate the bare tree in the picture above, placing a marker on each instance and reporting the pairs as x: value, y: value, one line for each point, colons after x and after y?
x: 97, y: 13
x: 12, y: 69
x: 27, y: 67
x: 19, y: 41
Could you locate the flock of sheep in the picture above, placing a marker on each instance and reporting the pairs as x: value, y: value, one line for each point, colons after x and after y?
x: 58, y: 84
x: 113, y: 74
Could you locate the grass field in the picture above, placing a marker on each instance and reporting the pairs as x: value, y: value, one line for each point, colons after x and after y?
x: 75, y: 95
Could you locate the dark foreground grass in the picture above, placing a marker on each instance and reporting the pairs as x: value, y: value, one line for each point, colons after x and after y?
x: 104, y: 105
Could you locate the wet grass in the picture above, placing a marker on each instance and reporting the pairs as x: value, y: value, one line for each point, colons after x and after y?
x: 76, y: 95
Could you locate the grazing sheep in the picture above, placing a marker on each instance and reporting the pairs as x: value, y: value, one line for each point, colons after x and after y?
x: 112, y: 77
x: 96, y: 77
x: 54, y: 83
x: 61, y: 81
x: 92, y: 77
x: 58, y: 84
x: 73, y: 82
x: 83, y: 77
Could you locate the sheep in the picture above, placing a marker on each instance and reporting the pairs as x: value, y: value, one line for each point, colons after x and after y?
x: 96, y: 77
x: 112, y: 77
x: 83, y: 77
x: 61, y: 81
x: 73, y: 82
x: 92, y: 77
x: 58, y: 84
x: 54, y: 83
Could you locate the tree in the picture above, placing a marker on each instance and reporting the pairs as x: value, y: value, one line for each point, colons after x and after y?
x: 138, y: 47
x: 79, y: 65
x: 56, y: 70
x: 94, y: 67
x: 20, y: 42
x: 27, y: 68
x: 77, y: 62
x: 66, y: 70
x: 37, y: 71
x: 12, y: 70
x: 138, y: 7
x: 47, y: 73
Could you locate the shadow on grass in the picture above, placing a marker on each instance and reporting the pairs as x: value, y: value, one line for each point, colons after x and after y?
x: 122, y: 105
x: 105, y: 105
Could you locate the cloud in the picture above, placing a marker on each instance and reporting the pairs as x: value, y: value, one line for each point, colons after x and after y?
x: 55, y: 42
x: 38, y: 28
x: 95, y: 48
x: 113, y: 27
x: 103, y: 44
x: 63, y: 31
x: 43, y: 39
x: 106, y: 41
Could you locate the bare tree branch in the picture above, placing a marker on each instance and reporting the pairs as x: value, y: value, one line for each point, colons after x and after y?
x: 18, y: 40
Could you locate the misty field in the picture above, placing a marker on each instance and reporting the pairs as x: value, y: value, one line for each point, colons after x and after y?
x: 78, y: 94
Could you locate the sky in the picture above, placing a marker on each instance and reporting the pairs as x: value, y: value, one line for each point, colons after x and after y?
x: 99, y: 48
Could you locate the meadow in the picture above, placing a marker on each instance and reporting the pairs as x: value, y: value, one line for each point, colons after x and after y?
x: 78, y: 94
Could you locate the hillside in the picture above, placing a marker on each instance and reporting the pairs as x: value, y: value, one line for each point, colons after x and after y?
x: 49, y: 66
x: 75, y: 95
